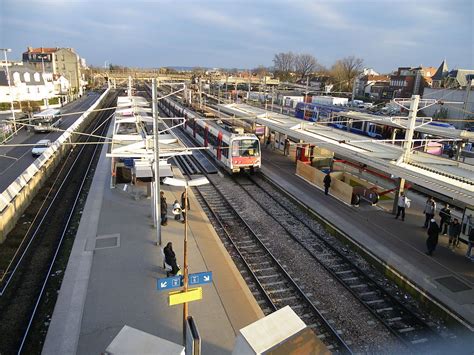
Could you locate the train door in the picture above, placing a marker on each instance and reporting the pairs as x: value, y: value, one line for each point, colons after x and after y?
x: 371, y: 130
x: 219, y: 145
x: 206, y: 135
x: 185, y: 122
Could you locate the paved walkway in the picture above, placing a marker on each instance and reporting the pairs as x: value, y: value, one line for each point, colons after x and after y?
x: 111, y: 277
x: 399, y: 244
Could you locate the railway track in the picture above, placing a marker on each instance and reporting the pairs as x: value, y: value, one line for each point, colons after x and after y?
x: 277, y: 287
x: 34, y: 276
x: 406, y: 324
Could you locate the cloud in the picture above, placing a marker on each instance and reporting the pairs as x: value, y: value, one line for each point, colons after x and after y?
x: 41, y: 26
x: 236, y: 22
x: 112, y: 27
x: 326, y: 14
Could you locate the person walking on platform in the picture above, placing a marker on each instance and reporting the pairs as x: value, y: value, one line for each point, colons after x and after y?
x: 327, y: 183
x: 163, y: 209
x: 445, y: 215
x: 470, y: 245
x: 433, y: 233
x: 170, y: 258
x: 188, y: 206
x: 269, y: 141
x: 403, y: 202
x: 429, y: 211
x: 454, y: 232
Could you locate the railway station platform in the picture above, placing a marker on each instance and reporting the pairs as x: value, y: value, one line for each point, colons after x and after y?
x: 447, y: 277
x: 111, y: 277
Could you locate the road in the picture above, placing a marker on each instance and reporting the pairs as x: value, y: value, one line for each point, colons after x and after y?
x: 14, y: 160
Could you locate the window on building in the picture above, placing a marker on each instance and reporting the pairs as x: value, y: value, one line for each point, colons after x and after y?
x: 27, y: 77
x: 16, y: 76
x: 36, y: 76
x: 64, y: 66
x: 27, y: 90
x: 38, y: 90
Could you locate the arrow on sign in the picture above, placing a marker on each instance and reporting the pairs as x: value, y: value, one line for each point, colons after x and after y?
x: 168, y: 282
x: 207, y: 278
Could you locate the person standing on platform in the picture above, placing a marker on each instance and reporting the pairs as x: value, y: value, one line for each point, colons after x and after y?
x: 429, y: 211
x: 176, y: 204
x: 454, y: 232
x: 433, y: 233
x: 188, y: 206
x: 269, y: 141
x: 170, y: 258
x: 286, y: 149
x: 327, y: 183
x: 445, y: 215
x: 163, y: 209
x: 403, y: 202
x: 470, y: 244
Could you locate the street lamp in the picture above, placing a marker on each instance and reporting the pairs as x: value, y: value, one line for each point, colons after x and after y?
x: 5, y: 51
x: 186, y: 183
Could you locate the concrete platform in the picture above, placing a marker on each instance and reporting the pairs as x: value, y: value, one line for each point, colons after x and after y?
x: 110, y: 279
x: 447, y: 277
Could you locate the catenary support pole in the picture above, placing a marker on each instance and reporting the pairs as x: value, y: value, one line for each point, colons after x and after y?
x: 185, y: 261
x: 156, y: 164
x: 407, y: 145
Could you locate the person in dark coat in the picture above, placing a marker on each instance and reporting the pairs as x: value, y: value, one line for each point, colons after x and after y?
x: 188, y: 206
x: 445, y: 215
x: 433, y: 233
x: 163, y: 209
x: 327, y: 183
x: 454, y: 232
x: 170, y: 258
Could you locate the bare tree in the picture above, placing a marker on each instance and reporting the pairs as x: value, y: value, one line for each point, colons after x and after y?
x: 261, y: 71
x: 284, y: 64
x: 344, y: 71
x: 305, y: 64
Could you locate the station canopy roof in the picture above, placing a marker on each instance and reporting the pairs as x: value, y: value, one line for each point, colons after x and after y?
x: 132, y: 135
x: 446, y: 176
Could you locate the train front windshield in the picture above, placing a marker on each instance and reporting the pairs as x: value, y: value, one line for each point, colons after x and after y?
x: 245, y: 148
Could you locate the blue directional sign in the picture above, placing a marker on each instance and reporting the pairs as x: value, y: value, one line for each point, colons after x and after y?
x: 169, y: 282
x: 200, y: 278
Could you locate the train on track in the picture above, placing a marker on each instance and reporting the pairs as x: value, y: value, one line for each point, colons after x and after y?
x: 233, y: 150
x: 378, y: 130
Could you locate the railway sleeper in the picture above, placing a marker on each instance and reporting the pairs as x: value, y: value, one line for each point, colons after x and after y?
x: 279, y: 290
x: 406, y: 330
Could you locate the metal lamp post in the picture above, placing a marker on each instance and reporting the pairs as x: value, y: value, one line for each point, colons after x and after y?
x: 186, y: 183
x: 5, y: 51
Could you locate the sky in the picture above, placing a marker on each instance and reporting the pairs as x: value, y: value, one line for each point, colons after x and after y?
x: 386, y: 34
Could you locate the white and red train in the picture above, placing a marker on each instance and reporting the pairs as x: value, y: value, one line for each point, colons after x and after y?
x: 235, y: 152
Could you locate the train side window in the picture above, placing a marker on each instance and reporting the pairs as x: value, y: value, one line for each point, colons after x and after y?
x: 357, y: 125
x: 212, y: 139
x: 225, y: 149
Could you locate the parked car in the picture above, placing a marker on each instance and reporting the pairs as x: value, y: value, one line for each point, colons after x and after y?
x: 40, y: 147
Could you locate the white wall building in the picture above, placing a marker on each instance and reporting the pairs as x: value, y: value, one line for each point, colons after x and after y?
x: 465, y: 99
x: 330, y: 100
x: 29, y: 84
